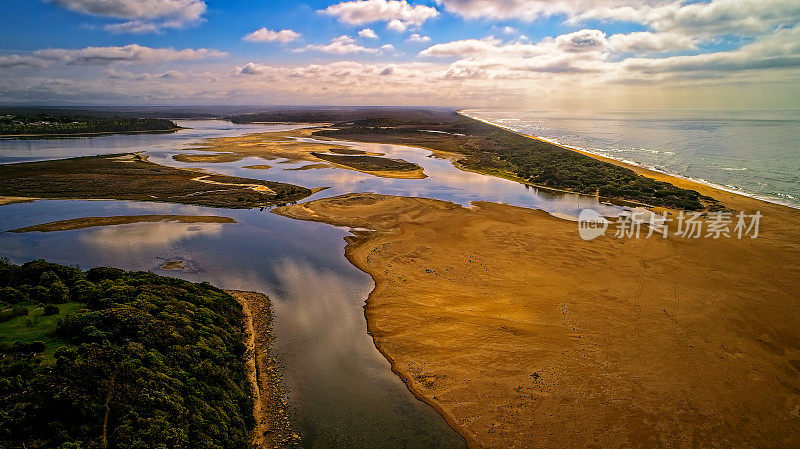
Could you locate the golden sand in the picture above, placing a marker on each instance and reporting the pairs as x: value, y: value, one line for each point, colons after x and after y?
x: 15, y: 199
x: 523, y: 335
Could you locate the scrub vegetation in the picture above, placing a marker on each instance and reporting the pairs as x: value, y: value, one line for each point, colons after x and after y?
x: 42, y: 123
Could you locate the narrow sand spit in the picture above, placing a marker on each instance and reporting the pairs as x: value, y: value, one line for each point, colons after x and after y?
x: 15, y: 199
x: 256, y: 187
x: 523, y: 335
x: 272, y: 427
x: 90, y: 222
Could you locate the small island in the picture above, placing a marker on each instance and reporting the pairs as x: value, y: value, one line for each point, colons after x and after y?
x: 132, y: 177
x: 44, y: 124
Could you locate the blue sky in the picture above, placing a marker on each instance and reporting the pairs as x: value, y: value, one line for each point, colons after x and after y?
x: 485, y: 52
x: 36, y: 24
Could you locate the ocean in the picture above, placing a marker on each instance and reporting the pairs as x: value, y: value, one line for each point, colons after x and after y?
x: 755, y: 153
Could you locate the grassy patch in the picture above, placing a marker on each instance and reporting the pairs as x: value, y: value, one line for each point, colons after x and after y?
x: 36, y: 326
x: 369, y: 163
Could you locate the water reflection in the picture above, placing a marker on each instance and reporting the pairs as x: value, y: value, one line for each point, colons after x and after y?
x: 26, y: 150
x: 341, y: 391
x: 444, y: 181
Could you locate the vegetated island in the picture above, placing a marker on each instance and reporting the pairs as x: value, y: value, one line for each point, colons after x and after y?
x: 132, y: 177
x: 108, y: 358
x: 522, y: 334
x: 291, y: 145
x: 47, y: 124
x: 488, y: 149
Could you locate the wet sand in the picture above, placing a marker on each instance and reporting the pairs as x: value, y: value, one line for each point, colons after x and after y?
x: 90, y: 222
x: 523, y: 335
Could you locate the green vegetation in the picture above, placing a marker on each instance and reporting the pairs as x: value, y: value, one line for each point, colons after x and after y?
x: 131, y: 177
x: 51, y: 124
x: 138, y: 361
x: 369, y: 163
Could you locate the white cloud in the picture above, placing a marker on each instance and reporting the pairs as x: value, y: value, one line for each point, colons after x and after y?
x: 398, y: 14
x: 339, y: 45
x: 130, y: 54
x: 647, y: 42
x: 265, y: 35
x: 779, y: 50
x: 509, y: 30
x: 143, y: 15
x: 123, y: 75
x: 462, y: 48
x: 708, y: 18
x: 132, y: 26
x: 368, y: 33
x: 397, y: 25
x: 717, y: 17
x: 21, y: 62
x: 418, y: 38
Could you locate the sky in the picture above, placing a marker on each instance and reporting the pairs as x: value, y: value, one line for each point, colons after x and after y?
x: 569, y: 54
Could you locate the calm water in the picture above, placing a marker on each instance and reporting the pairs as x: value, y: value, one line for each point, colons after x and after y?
x: 754, y: 152
x: 341, y: 391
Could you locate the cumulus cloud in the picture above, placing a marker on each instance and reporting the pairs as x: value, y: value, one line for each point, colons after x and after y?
x: 418, y: 38
x: 717, y: 17
x: 398, y: 14
x: 265, y: 35
x: 143, y: 15
x: 339, y: 46
x: 368, y: 33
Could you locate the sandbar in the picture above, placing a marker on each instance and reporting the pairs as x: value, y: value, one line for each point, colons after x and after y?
x: 521, y: 334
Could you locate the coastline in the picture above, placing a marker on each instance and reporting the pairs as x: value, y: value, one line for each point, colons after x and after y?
x: 704, y: 187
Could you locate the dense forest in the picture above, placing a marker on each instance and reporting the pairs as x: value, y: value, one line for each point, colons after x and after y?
x: 133, y: 360
x: 58, y: 124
